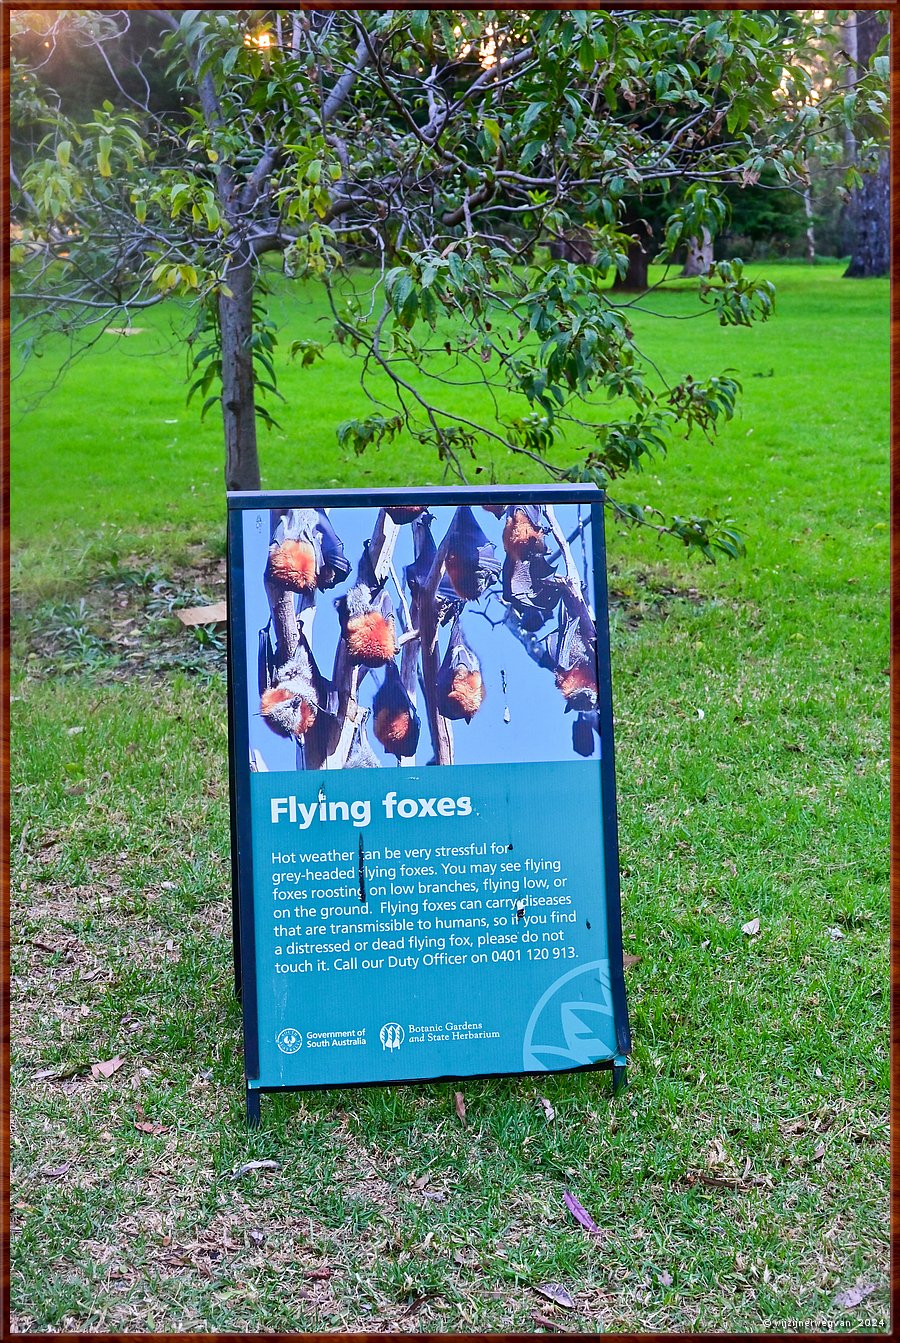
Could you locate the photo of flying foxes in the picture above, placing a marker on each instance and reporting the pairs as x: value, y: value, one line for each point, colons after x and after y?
x: 306, y: 554
x: 466, y: 636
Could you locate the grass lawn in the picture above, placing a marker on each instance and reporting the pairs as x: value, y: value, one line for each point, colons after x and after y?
x: 741, y: 1180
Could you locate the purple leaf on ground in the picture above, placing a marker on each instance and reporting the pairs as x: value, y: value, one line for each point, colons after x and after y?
x: 555, y: 1291
x: 581, y: 1215
x: 852, y: 1296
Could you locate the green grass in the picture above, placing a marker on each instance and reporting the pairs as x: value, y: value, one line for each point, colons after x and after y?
x: 760, y: 1061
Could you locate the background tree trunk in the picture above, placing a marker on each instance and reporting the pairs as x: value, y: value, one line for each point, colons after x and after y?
x: 699, y: 256
x: 636, y: 276
x: 869, y: 209
x: 810, y: 226
x: 238, y: 402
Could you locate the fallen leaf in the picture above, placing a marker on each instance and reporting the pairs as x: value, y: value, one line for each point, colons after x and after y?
x: 555, y: 1291
x: 434, y: 1194
x: 852, y: 1296
x: 107, y: 1068
x: 257, y: 1236
x: 549, y: 1112
x: 319, y: 1274
x: 665, y: 1278
x: 581, y: 1215
x: 548, y: 1324
x: 459, y: 1104
x: 751, y: 928
x: 74, y: 731
x: 819, y: 1152
x: 148, y: 1126
x: 56, y: 1172
x: 835, y: 933
x: 629, y: 961
x: 252, y: 1165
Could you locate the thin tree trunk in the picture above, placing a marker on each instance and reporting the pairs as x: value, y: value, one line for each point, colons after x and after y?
x: 810, y: 226
x: 238, y: 401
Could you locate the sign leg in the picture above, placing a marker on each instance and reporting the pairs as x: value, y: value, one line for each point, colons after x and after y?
x: 619, y: 1075
x: 252, y: 1108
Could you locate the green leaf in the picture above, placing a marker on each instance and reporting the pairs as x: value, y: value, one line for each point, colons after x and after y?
x: 104, y: 150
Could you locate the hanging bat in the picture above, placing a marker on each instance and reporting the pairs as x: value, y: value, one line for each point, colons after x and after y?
x: 447, y: 604
x: 396, y: 723
x: 292, y: 703
x: 401, y: 513
x: 576, y: 655
x: 361, y: 755
x: 367, y: 619
x: 306, y: 553
x: 496, y: 509
x: 531, y: 588
x: 583, y: 734
x: 523, y: 532
x: 470, y: 559
x: 460, y: 686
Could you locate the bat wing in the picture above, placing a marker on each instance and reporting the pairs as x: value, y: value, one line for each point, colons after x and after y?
x: 265, y: 658
x: 333, y: 565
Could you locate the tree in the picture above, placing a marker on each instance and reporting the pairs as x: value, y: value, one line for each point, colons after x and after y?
x: 869, y: 210
x: 445, y: 145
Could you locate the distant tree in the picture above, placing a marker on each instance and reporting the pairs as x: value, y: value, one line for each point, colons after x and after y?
x: 446, y: 144
x: 869, y: 210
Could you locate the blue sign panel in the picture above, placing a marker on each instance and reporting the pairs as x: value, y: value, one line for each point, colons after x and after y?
x: 423, y: 797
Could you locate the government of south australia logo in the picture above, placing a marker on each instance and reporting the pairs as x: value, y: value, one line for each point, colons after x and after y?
x: 391, y: 1035
x: 289, y: 1040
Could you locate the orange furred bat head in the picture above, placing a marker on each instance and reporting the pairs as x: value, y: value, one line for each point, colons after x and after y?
x: 275, y: 695
x: 293, y: 563
x: 392, y: 728
x: 576, y: 680
x: 286, y: 712
x: 371, y: 639
x: 521, y: 538
x: 467, y: 692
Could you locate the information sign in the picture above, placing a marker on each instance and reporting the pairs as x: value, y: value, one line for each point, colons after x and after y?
x: 423, y: 796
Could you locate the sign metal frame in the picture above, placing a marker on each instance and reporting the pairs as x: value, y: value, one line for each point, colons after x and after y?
x: 247, y: 988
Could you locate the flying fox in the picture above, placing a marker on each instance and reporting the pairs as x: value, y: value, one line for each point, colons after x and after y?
x: 361, y: 755
x: 366, y: 614
x: 401, y: 513
x: 523, y: 532
x: 396, y: 723
x: 447, y: 604
x: 470, y: 559
x: 307, y: 553
x: 291, y: 704
x: 460, y: 685
x: 576, y: 655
